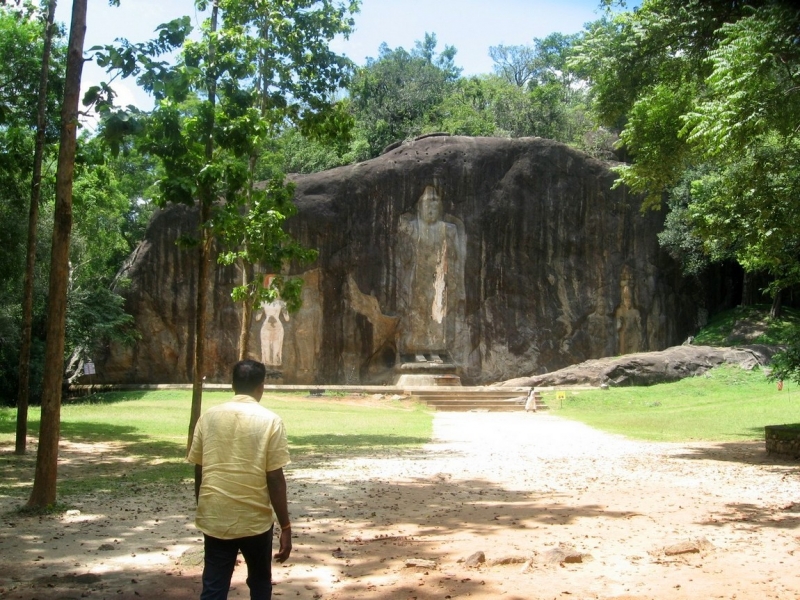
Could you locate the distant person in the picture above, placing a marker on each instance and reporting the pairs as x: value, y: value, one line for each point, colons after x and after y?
x: 239, y: 450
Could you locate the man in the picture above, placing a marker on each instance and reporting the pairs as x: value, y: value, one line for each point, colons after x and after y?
x: 239, y: 450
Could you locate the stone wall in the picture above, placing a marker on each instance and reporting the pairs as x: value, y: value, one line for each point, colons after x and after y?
x: 532, y: 262
x: 783, y: 440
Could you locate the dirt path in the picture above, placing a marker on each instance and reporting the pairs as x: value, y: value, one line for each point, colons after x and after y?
x: 558, y: 509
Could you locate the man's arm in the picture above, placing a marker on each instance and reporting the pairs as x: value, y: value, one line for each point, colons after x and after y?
x: 276, y: 484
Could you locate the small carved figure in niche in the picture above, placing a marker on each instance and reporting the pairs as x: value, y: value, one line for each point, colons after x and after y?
x: 600, y: 328
x: 430, y: 253
x: 629, y: 321
x: 272, y: 332
x: 308, y: 326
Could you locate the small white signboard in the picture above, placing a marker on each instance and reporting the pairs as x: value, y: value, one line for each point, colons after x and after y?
x: 88, y: 368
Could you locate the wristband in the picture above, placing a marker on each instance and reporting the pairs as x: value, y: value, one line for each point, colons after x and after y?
x: 283, y: 527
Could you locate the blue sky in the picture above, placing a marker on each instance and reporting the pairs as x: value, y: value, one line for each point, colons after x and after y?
x: 472, y: 26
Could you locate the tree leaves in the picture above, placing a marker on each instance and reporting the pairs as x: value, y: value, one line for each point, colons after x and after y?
x: 708, y: 93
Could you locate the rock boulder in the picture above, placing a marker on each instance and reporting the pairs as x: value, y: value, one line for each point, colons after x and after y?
x: 650, y: 368
x: 521, y: 260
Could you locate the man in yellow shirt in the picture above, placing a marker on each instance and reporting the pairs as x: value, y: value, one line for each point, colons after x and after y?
x: 239, y: 450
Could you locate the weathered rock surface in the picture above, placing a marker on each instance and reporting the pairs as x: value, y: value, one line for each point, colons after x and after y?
x: 649, y: 368
x: 535, y: 263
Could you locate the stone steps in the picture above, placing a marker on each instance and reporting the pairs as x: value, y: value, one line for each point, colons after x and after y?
x: 477, y: 399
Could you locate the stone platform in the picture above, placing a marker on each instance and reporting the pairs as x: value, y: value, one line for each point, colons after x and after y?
x: 439, y: 397
x: 783, y: 440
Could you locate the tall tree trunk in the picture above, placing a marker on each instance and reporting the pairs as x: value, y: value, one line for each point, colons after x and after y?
x: 248, y: 304
x: 44, y: 483
x: 747, y: 289
x: 777, y: 305
x: 206, y: 194
x: 23, y: 393
x: 247, y: 313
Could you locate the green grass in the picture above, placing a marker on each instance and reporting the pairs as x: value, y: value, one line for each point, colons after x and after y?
x: 148, y: 432
x: 726, y: 328
x: 728, y: 403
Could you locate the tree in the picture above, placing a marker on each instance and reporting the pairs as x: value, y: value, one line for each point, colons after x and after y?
x: 545, y: 61
x: 256, y: 67
x: 44, y: 484
x: 396, y: 96
x: 515, y: 64
x: 471, y: 108
x: 709, y: 96
x: 746, y: 126
x: 712, y: 84
x: 545, y: 95
x: 99, y: 246
x: 23, y: 395
x: 21, y: 32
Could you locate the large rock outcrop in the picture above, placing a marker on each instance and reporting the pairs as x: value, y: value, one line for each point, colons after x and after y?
x: 650, y: 368
x: 507, y: 257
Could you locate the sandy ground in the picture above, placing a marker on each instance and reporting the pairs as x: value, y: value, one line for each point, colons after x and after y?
x: 560, y: 511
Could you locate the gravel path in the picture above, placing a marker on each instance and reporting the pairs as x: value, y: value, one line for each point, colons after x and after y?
x: 559, y: 510
x: 644, y: 520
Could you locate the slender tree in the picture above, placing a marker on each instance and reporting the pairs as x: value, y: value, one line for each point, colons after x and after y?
x: 44, y: 484
x: 206, y: 197
x: 33, y: 221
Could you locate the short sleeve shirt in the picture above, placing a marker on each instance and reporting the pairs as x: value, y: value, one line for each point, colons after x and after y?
x: 237, y: 443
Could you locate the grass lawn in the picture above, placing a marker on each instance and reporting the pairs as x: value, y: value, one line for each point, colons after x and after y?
x: 728, y: 403
x: 153, y: 426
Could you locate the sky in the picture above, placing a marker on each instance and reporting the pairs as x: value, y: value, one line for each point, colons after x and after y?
x: 472, y: 26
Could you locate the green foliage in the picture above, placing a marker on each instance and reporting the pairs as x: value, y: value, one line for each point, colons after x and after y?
x: 546, y: 61
x: 257, y: 235
x: 727, y: 403
x: 534, y: 92
x: 395, y: 97
x: 515, y: 64
x: 304, y: 155
x: 753, y: 325
x: 98, y: 245
x: 750, y: 325
x: 650, y: 136
x: 786, y: 364
x: 746, y: 125
x: 470, y: 108
x: 252, y: 73
x: 708, y: 96
x: 680, y: 237
x: 20, y: 67
x: 21, y: 32
x: 96, y: 316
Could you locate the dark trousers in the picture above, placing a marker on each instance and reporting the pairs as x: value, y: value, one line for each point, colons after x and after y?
x: 220, y: 559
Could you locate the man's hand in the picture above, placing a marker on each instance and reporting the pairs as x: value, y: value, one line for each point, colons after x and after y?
x: 285, y: 546
x: 276, y: 484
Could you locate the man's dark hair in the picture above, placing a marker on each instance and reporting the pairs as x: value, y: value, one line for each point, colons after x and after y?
x: 247, y: 376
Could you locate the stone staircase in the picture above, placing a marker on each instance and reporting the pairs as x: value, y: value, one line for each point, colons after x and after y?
x: 479, y: 399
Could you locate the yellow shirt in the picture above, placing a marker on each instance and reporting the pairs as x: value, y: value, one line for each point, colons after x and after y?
x: 237, y: 443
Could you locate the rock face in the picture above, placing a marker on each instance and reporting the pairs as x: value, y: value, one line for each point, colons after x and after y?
x: 650, y: 368
x: 504, y: 257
